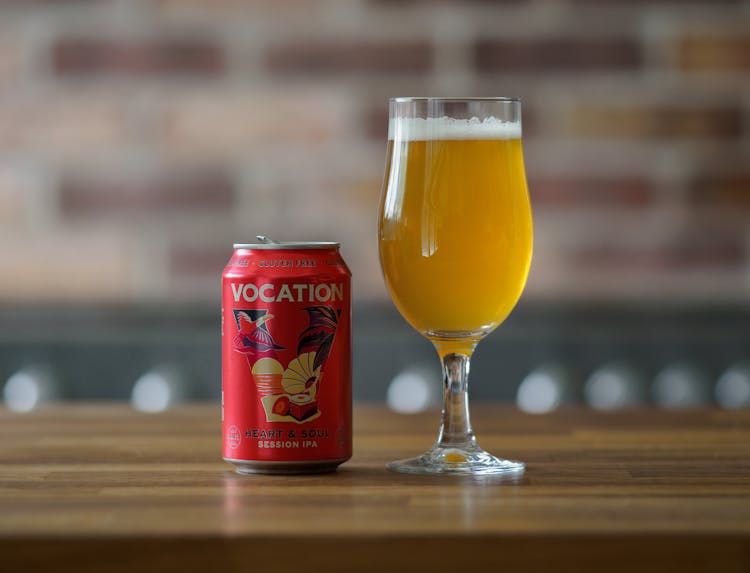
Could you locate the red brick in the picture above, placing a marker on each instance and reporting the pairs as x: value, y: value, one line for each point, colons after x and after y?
x: 375, y: 121
x: 198, y: 261
x: 326, y: 56
x: 556, y: 54
x: 63, y: 126
x: 714, y: 52
x: 226, y: 124
x: 9, y: 60
x: 65, y: 265
x: 91, y: 56
x: 81, y: 196
x: 659, y: 122
x: 680, y: 256
x: 583, y: 191
x: 226, y: 9
x: 729, y: 191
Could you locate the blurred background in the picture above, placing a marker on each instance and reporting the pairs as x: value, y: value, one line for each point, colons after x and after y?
x: 140, y: 138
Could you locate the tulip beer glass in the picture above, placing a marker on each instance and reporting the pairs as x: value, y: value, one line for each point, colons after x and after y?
x: 455, y: 237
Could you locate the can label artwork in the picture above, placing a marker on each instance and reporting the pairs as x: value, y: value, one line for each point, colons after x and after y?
x: 286, y: 358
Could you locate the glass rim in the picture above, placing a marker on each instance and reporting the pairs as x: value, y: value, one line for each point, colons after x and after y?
x: 411, y: 99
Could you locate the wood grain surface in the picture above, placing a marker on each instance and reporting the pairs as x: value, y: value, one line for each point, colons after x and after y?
x: 102, y: 488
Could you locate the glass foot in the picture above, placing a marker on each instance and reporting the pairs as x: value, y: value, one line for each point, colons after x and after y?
x: 459, y: 461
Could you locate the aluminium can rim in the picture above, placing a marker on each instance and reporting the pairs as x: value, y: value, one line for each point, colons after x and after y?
x: 294, y: 245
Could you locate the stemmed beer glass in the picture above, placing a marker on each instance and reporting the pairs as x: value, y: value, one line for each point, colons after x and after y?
x: 455, y: 237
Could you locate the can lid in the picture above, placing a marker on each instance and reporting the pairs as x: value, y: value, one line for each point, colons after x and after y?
x: 287, y: 246
x: 266, y: 242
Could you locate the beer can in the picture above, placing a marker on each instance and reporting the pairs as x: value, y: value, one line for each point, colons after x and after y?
x: 286, y: 358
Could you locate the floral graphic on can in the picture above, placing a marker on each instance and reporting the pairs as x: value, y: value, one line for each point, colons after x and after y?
x: 287, y: 393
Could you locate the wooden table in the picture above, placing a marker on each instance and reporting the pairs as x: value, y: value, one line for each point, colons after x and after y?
x: 99, y: 487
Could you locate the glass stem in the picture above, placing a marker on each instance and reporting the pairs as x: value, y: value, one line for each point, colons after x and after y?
x: 455, y: 429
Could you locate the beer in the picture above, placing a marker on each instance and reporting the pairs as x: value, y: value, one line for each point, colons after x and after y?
x: 455, y: 225
x: 286, y: 358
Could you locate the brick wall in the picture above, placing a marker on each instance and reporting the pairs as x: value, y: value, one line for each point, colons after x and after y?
x: 140, y: 138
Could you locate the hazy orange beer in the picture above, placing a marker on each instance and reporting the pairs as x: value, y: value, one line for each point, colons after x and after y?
x: 286, y: 358
x: 456, y: 229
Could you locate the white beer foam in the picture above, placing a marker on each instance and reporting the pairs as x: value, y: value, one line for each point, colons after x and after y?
x: 435, y: 128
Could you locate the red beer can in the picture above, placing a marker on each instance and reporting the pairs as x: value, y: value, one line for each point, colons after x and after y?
x: 286, y: 358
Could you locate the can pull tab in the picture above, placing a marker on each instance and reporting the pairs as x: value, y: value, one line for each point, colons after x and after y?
x: 266, y: 240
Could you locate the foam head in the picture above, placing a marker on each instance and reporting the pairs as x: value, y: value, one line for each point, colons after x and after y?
x: 448, y: 128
